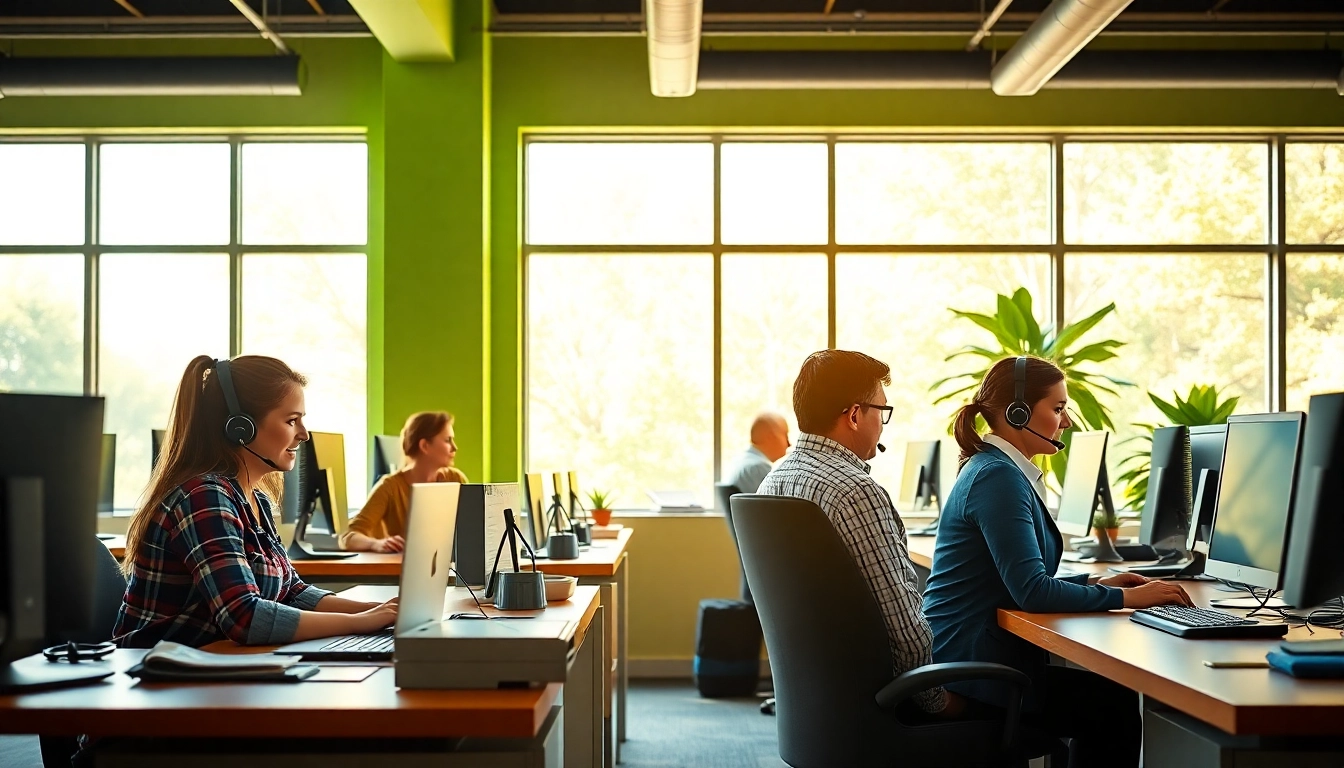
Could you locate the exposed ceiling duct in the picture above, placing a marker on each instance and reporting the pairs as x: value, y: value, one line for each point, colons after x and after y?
x: 139, y: 76
x: 954, y: 70
x: 674, y: 45
x: 1063, y: 29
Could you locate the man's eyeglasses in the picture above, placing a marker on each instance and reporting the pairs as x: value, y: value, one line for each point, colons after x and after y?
x: 885, y: 409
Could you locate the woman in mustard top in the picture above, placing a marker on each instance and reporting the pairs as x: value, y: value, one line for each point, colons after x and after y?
x: 427, y: 441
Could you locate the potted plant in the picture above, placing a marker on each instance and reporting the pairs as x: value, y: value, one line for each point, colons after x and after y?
x: 600, y: 508
x: 1105, y: 522
x: 1016, y: 332
x: 1199, y: 408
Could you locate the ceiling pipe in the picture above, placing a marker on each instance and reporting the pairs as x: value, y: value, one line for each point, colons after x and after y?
x: 953, y: 70
x: 674, y: 45
x: 261, y: 26
x: 1063, y: 29
x: 136, y: 76
x: 988, y: 24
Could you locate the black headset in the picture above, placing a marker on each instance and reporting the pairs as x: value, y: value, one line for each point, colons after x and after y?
x: 240, y: 429
x: 1019, y: 413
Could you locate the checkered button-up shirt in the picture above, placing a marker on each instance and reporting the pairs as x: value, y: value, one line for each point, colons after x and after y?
x: 835, y: 479
x: 210, y: 567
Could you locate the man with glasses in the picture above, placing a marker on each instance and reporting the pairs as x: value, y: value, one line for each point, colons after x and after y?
x: 841, y: 406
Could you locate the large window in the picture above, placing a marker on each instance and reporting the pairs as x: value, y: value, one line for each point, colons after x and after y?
x: 122, y: 260
x: 711, y: 267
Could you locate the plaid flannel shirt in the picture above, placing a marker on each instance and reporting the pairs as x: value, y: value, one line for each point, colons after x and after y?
x: 211, y: 567
x: 832, y: 476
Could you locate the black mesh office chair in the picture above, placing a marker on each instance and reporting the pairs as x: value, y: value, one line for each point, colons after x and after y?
x: 109, y: 588
x: 837, y: 703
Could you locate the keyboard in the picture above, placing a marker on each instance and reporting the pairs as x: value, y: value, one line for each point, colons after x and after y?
x: 1203, y: 623
x: 380, y: 643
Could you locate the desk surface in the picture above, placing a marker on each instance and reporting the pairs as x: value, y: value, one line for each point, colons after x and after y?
x: 121, y: 706
x: 1171, y: 669
x: 603, y: 558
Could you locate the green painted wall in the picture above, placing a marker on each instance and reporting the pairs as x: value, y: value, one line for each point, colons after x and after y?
x: 434, y: 243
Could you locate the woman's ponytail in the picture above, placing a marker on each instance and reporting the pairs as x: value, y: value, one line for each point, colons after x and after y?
x: 963, y: 428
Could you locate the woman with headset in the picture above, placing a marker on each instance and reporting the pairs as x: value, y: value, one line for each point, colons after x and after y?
x: 998, y: 547
x: 203, y: 558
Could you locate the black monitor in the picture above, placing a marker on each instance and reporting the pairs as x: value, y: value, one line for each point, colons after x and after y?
x: 1314, y: 569
x: 534, y: 499
x: 1255, y: 497
x: 156, y: 437
x: 1206, y: 461
x: 1085, y: 483
x: 58, y: 440
x: 387, y: 456
x: 919, y: 480
x: 107, y: 472
x: 1166, y: 510
x: 308, y: 495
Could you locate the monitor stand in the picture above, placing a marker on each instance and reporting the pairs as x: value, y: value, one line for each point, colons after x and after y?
x: 301, y: 549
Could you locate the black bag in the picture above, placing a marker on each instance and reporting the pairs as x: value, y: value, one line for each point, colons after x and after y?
x: 727, y: 649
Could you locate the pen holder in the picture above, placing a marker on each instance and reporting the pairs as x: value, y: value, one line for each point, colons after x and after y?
x: 562, y: 546
x: 520, y: 591
x: 583, y: 531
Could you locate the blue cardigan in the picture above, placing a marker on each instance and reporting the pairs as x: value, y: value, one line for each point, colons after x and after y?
x: 999, y: 548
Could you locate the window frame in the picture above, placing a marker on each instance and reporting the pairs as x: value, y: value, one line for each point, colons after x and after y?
x: 236, y: 249
x: 1275, y: 249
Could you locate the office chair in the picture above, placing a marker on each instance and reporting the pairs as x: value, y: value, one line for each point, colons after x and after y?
x: 725, y: 491
x: 831, y: 659
x: 109, y: 589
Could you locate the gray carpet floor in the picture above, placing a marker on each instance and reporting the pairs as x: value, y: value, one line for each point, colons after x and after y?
x: 670, y: 727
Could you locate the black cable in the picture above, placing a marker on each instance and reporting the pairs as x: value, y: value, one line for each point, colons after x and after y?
x: 471, y: 592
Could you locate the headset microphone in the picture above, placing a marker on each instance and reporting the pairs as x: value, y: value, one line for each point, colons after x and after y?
x: 1058, y: 445
x: 882, y: 448
x: 270, y: 463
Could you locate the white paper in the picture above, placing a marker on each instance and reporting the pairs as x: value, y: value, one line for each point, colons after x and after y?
x: 499, y: 497
x: 166, y: 655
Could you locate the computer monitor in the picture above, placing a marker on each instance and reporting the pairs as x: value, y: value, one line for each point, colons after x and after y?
x: 534, y: 498
x: 1206, y: 461
x: 1166, y: 510
x: 1313, y: 572
x: 107, y: 472
x: 329, y: 450
x: 1255, y: 497
x: 156, y: 437
x: 919, y: 481
x: 576, y: 506
x: 58, y: 440
x: 387, y: 456
x: 1085, y: 483
x: 560, y: 492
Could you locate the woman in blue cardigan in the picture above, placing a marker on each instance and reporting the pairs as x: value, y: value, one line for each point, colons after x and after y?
x: 999, y: 548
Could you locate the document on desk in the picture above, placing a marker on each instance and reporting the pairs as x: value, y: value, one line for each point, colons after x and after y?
x: 340, y: 673
x: 499, y: 497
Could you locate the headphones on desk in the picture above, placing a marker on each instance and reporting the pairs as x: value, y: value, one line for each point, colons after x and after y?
x: 1018, y: 414
x: 240, y: 428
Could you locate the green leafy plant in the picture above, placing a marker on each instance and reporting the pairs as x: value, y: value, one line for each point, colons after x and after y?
x: 1017, y: 333
x: 1199, y: 408
x: 600, y: 499
x: 1104, y: 518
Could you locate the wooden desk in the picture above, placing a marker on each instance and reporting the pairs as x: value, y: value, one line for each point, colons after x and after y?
x: 602, y: 565
x: 116, y: 545
x: 1248, y: 709
x: 1171, y: 669
x: 371, y: 709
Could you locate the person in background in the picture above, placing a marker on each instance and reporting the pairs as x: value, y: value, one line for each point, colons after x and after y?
x: 769, y: 443
x: 841, y: 406
x: 998, y: 547
x: 203, y: 558
x: 429, y: 446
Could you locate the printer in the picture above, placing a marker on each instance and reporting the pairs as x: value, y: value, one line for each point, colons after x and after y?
x: 485, y: 653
